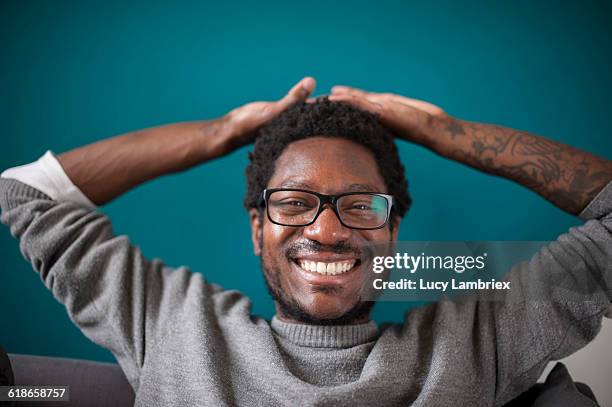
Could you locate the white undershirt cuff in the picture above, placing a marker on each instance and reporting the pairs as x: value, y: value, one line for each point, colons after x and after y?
x: 47, y: 175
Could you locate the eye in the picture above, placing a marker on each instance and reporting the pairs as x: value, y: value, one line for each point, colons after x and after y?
x: 293, y: 203
x: 361, y: 206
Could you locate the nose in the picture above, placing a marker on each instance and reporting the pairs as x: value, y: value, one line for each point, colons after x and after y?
x: 327, y: 228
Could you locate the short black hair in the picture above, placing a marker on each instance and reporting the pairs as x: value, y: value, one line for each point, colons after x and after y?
x: 327, y: 119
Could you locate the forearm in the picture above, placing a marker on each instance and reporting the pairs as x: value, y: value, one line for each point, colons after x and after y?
x: 108, y: 168
x: 567, y: 177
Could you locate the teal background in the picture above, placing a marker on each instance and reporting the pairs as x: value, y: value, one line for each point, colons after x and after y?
x: 76, y: 72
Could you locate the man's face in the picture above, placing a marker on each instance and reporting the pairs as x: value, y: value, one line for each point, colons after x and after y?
x: 328, y: 166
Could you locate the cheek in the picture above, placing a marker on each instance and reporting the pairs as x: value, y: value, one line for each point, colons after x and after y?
x: 275, y: 238
x: 275, y: 231
x: 375, y: 236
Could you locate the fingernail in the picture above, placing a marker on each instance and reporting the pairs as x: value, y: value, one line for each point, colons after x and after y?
x: 308, y: 84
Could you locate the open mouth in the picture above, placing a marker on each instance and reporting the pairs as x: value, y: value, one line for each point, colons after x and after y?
x: 327, y: 268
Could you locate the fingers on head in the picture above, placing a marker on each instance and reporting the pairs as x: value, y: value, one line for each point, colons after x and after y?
x: 299, y: 92
x: 345, y: 97
x: 355, y: 100
x: 341, y: 89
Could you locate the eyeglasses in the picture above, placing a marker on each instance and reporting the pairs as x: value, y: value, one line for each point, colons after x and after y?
x: 299, y: 207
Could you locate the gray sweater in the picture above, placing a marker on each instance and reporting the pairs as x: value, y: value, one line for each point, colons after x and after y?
x: 183, y: 341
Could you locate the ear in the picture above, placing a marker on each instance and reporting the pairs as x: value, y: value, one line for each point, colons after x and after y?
x: 256, y: 230
x: 396, y: 226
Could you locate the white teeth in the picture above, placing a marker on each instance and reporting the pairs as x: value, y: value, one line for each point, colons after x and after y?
x: 321, y: 268
x: 329, y: 269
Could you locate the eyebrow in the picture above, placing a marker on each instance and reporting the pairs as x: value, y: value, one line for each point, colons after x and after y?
x: 351, y: 188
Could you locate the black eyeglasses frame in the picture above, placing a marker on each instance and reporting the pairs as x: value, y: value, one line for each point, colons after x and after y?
x: 324, y: 199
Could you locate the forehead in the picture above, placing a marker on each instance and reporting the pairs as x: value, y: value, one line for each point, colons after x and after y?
x: 328, y: 165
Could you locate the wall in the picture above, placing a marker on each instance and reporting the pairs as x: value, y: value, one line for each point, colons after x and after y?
x: 76, y: 72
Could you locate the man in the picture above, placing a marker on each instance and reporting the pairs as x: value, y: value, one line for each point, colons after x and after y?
x: 315, y: 172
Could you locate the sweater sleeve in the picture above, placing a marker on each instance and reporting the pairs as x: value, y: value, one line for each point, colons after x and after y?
x: 117, y: 297
x: 564, y: 292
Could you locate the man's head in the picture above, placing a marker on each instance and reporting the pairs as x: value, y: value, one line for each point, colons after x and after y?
x: 329, y: 148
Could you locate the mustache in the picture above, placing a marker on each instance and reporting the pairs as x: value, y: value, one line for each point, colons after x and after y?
x: 311, y: 247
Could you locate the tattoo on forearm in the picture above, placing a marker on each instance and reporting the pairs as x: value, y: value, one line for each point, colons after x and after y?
x: 568, y: 177
x: 455, y: 129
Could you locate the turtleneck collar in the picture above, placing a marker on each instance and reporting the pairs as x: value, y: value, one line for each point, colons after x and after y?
x: 325, y: 336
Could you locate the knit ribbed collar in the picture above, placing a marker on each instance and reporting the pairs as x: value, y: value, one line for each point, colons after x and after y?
x: 325, y: 336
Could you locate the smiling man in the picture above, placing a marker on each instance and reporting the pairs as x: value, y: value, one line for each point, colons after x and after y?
x: 315, y: 201
x: 324, y: 181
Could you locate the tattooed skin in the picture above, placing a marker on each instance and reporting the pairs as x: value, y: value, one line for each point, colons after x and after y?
x: 567, y: 177
x: 455, y: 129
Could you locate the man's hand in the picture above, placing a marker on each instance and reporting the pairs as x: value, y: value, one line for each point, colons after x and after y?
x: 409, y: 119
x: 245, y: 120
x: 566, y: 176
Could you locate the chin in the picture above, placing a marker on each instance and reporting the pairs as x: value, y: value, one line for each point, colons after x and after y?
x: 328, y: 315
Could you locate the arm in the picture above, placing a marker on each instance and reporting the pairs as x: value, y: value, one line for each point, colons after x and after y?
x: 108, y: 168
x: 566, y: 288
x: 567, y: 177
x: 117, y: 297
x: 557, y: 302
